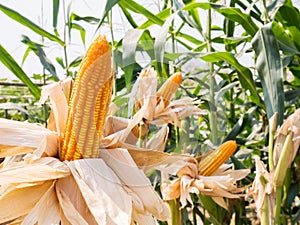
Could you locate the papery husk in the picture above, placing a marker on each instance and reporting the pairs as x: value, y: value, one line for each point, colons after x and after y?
x: 120, y: 161
x: 102, y: 191
x: 116, y: 124
x: 176, y: 111
x: 291, y: 124
x: 149, y: 107
x: 58, y: 93
x: 144, y: 89
x: 9, y: 150
x: 143, y: 219
x: 46, y: 211
x: 74, y: 208
x: 159, y: 139
x: 216, y: 186
x: 146, y: 159
x: 26, y: 198
x: 33, y: 170
x: 31, y: 136
x: 263, y: 190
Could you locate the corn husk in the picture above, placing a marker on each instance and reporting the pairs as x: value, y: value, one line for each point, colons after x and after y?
x: 263, y: 190
x: 15, y: 134
x: 58, y: 94
x: 152, y: 109
x: 222, y: 183
x: 290, y: 125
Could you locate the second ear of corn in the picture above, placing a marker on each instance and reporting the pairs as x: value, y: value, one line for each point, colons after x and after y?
x: 169, y: 88
x: 215, y: 159
x: 89, y: 103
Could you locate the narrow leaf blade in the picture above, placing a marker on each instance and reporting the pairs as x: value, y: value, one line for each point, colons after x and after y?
x: 270, y: 70
x: 28, y: 23
x: 13, y: 66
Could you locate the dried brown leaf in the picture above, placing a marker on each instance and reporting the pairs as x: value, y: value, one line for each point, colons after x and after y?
x: 10, y: 199
x: 102, y: 191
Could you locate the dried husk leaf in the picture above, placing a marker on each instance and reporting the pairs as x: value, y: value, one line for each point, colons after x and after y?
x: 28, y: 196
x: 171, y: 191
x: 59, y: 93
x: 144, y: 89
x: 291, y: 124
x: 15, y: 133
x: 74, y: 208
x: 176, y: 111
x: 102, y: 191
x: 143, y: 219
x: 158, y: 140
x: 116, y: 124
x: 261, y: 190
x: 46, y: 211
x: 9, y: 150
x: 216, y: 186
x: 33, y: 171
x: 120, y: 161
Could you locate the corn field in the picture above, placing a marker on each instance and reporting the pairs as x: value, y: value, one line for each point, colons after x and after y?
x: 189, y: 116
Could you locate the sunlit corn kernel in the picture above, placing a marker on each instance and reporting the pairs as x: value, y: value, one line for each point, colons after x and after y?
x: 169, y: 88
x: 215, y: 159
x: 89, y: 103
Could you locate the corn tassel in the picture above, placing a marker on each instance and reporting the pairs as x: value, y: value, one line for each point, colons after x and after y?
x: 215, y: 159
x: 89, y: 103
x: 169, y: 88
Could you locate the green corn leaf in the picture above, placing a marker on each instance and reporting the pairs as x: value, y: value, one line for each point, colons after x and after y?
x: 76, y: 62
x: 236, y: 15
x: 60, y: 61
x: 232, y: 13
x: 137, y: 8
x: 28, y: 23
x: 160, y: 41
x: 129, y: 17
x: 108, y: 6
x: 38, y: 50
x: 55, y: 13
x: 81, y: 30
x: 163, y: 15
x: 244, y: 74
x: 13, y: 66
x: 285, y: 41
x: 130, y: 42
x: 88, y: 19
x: 270, y: 70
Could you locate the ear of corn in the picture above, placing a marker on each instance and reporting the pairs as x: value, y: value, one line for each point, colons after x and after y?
x: 169, y: 88
x: 215, y: 159
x: 89, y: 103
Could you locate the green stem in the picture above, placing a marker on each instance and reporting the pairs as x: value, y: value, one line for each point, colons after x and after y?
x: 212, y: 112
x: 265, y: 212
x: 65, y: 38
x: 109, y: 17
x: 232, y: 106
x: 272, y: 131
x: 265, y: 208
x: 278, y: 205
x: 175, y: 212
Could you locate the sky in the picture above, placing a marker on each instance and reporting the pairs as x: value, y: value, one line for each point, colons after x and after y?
x: 40, y: 12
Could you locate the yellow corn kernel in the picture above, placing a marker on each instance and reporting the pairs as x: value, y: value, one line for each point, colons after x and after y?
x: 169, y: 88
x: 89, y: 103
x: 215, y: 159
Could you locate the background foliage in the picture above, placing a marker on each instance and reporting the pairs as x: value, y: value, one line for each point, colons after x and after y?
x: 243, y: 66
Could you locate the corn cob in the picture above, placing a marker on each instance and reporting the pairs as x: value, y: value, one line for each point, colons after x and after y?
x: 89, y: 103
x: 169, y: 88
x: 215, y: 159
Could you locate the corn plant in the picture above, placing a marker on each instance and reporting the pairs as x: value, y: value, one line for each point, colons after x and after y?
x: 204, y: 100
